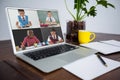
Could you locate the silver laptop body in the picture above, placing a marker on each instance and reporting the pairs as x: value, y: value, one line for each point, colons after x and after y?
x: 38, y: 20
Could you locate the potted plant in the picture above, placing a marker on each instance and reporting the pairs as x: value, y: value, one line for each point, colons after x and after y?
x: 80, y: 7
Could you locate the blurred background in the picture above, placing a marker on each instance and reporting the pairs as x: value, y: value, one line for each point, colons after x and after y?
x: 106, y: 21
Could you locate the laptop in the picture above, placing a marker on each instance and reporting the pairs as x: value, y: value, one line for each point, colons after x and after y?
x: 37, y: 39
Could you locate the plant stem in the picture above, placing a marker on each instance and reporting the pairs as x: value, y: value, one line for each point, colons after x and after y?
x: 69, y: 10
x: 77, y: 10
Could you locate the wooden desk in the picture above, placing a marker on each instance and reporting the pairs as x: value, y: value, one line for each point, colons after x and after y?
x: 6, y: 53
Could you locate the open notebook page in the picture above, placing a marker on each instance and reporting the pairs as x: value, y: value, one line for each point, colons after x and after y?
x: 112, y: 42
x: 91, y: 67
x: 102, y: 47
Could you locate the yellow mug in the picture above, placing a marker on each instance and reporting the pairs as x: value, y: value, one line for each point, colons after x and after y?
x: 85, y: 36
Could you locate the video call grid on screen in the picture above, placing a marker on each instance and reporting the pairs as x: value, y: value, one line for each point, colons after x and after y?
x: 34, y: 28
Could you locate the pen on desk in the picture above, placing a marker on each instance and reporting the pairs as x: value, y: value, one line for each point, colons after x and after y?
x: 100, y: 58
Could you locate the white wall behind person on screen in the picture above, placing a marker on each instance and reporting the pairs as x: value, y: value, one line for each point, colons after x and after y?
x: 106, y: 21
x: 32, y: 17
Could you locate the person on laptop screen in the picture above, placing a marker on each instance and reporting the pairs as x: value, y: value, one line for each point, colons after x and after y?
x: 22, y: 20
x: 54, y: 38
x: 50, y: 19
x: 30, y: 40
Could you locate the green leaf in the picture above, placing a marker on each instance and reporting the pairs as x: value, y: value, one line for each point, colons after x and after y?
x: 92, y: 11
x: 111, y: 5
x: 102, y: 2
x: 75, y: 1
x: 87, y: 1
x: 82, y: 11
x: 75, y: 6
x: 85, y: 10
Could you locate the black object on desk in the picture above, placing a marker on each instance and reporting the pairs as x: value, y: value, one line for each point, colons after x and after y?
x: 100, y: 58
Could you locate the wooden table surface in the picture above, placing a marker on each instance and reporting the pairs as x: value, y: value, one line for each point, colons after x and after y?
x: 6, y: 53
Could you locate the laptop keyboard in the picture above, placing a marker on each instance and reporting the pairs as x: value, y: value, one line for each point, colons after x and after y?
x: 51, y: 51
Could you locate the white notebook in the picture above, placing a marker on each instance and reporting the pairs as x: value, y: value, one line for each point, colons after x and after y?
x: 105, y: 47
x: 91, y: 67
x: 112, y: 42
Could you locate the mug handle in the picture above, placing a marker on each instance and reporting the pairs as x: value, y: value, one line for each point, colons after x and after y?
x: 94, y: 36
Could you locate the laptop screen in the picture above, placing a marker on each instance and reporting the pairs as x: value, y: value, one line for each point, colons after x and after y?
x: 34, y: 28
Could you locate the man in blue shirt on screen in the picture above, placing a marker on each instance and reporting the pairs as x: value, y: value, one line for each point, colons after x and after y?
x: 22, y: 20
